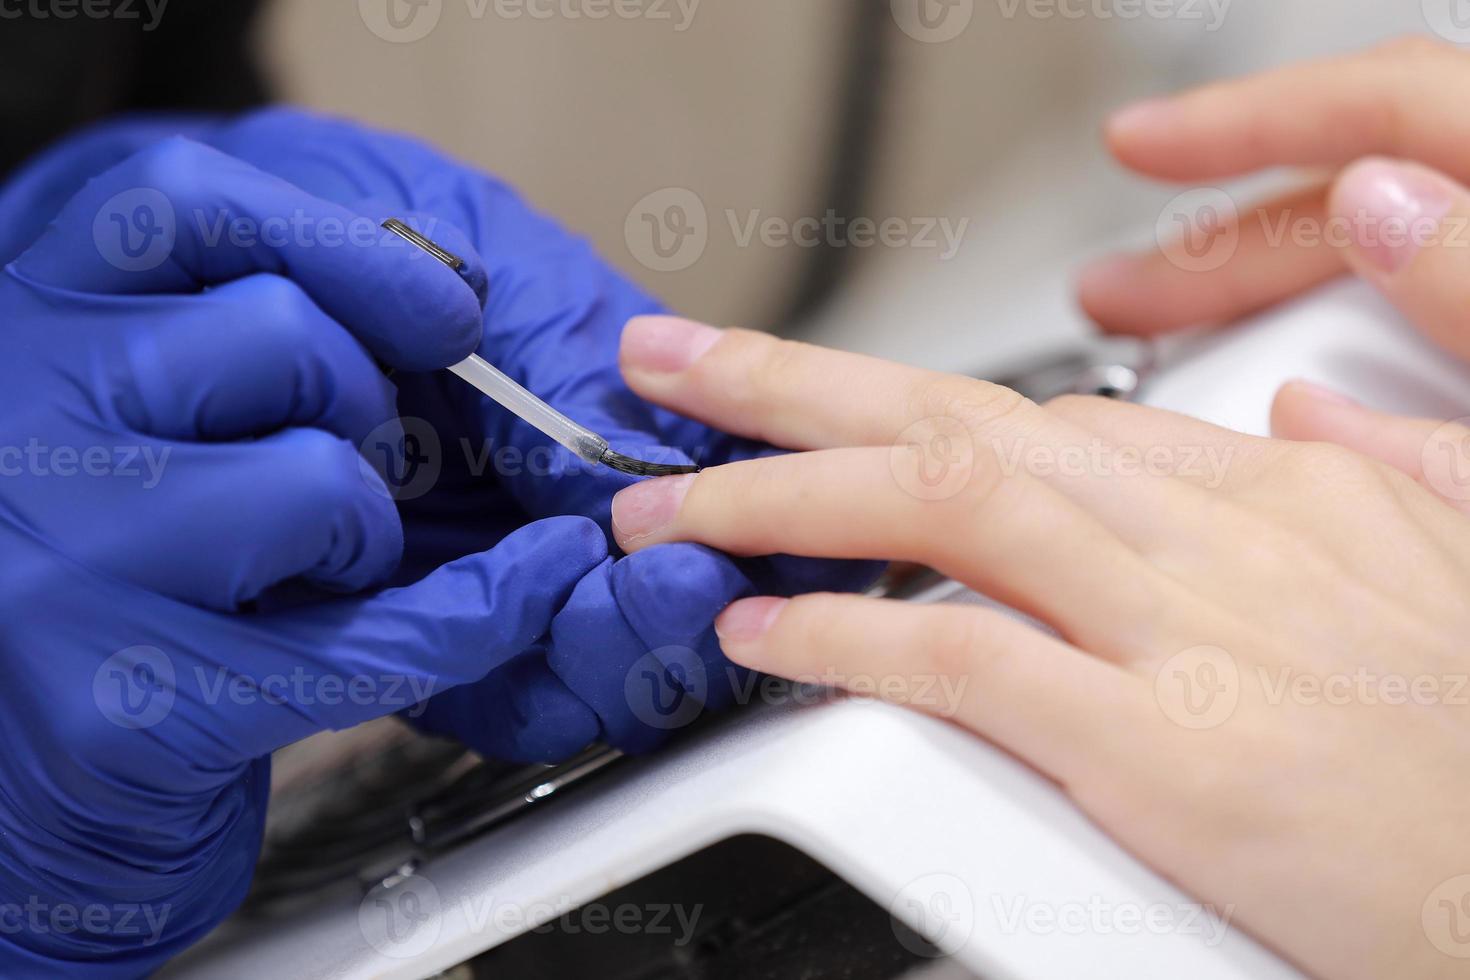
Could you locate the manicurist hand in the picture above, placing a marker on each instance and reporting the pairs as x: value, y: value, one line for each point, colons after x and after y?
x: 463, y: 472
x: 214, y: 539
x: 1257, y: 682
x: 195, y: 551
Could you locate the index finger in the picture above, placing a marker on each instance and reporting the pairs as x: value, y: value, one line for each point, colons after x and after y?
x: 179, y: 216
x: 1390, y: 101
x: 798, y: 396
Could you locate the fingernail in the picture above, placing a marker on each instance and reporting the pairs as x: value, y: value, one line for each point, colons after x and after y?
x: 749, y: 619
x: 648, y: 507
x: 666, y: 344
x: 1393, y: 210
x: 1108, y: 273
x: 1150, y: 114
x: 1321, y: 394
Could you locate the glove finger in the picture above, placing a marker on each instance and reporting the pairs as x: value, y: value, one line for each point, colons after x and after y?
x: 34, y: 194
x: 363, y: 169
x: 246, y: 359
x: 636, y: 642
x: 557, y: 309
x: 361, y: 659
x: 670, y: 596
x: 553, y: 317
x: 601, y: 660
x: 180, y: 215
x: 340, y: 160
x: 554, y: 311
x: 634, y: 658
x: 221, y: 524
x: 520, y: 712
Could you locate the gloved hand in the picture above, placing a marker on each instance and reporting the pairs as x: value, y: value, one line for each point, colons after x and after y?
x: 636, y: 640
x: 179, y: 430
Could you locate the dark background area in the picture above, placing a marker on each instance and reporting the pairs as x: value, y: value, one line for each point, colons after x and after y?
x: 59, y: 73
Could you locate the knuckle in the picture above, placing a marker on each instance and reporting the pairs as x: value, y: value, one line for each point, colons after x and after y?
x: 1276, y: 554
x: 1273, y: 550
x: 1323, y: 465
x: 1350, y: 483
x: 977, y: 405
x: 328, y: 466
x: 1077, y: 406
x: 282, y: 314
x: 801, y: 628
x: 951, y: 644
x: 762, y: 364
x: 783, y: 362
x: 280, y: 298
x: 1413, y: 46
x: 175, y: 166
x: 986, y: 493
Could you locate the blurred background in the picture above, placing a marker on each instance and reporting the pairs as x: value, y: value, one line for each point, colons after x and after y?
x: 685, y: 136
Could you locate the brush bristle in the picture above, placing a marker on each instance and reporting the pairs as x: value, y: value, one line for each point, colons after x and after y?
x: 637, y: 467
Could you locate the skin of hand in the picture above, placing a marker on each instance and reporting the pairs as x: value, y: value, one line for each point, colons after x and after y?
x: 1258, y: 678
x: 1394, y: 210
x: 1389, y: 204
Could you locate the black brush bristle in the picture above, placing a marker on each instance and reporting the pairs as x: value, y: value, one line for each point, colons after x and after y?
x: 637, y: 467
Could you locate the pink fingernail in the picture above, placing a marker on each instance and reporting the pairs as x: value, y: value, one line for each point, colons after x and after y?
x: 648, y: 507
x: 1150, y: 114
x: 666, y: 344
x: 1109, y: 273
x: 1393, y: 210
x: 749, y: 619
x: 1321, y: 394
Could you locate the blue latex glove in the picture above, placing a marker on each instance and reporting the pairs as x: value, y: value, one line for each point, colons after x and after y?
x: 636, y: 640
x: 178, y: 441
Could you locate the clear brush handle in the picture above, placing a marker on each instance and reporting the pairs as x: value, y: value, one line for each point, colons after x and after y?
x: 497, y: 386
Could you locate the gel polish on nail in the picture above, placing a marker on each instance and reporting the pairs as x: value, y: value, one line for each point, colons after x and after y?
x: 1393, y: 209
